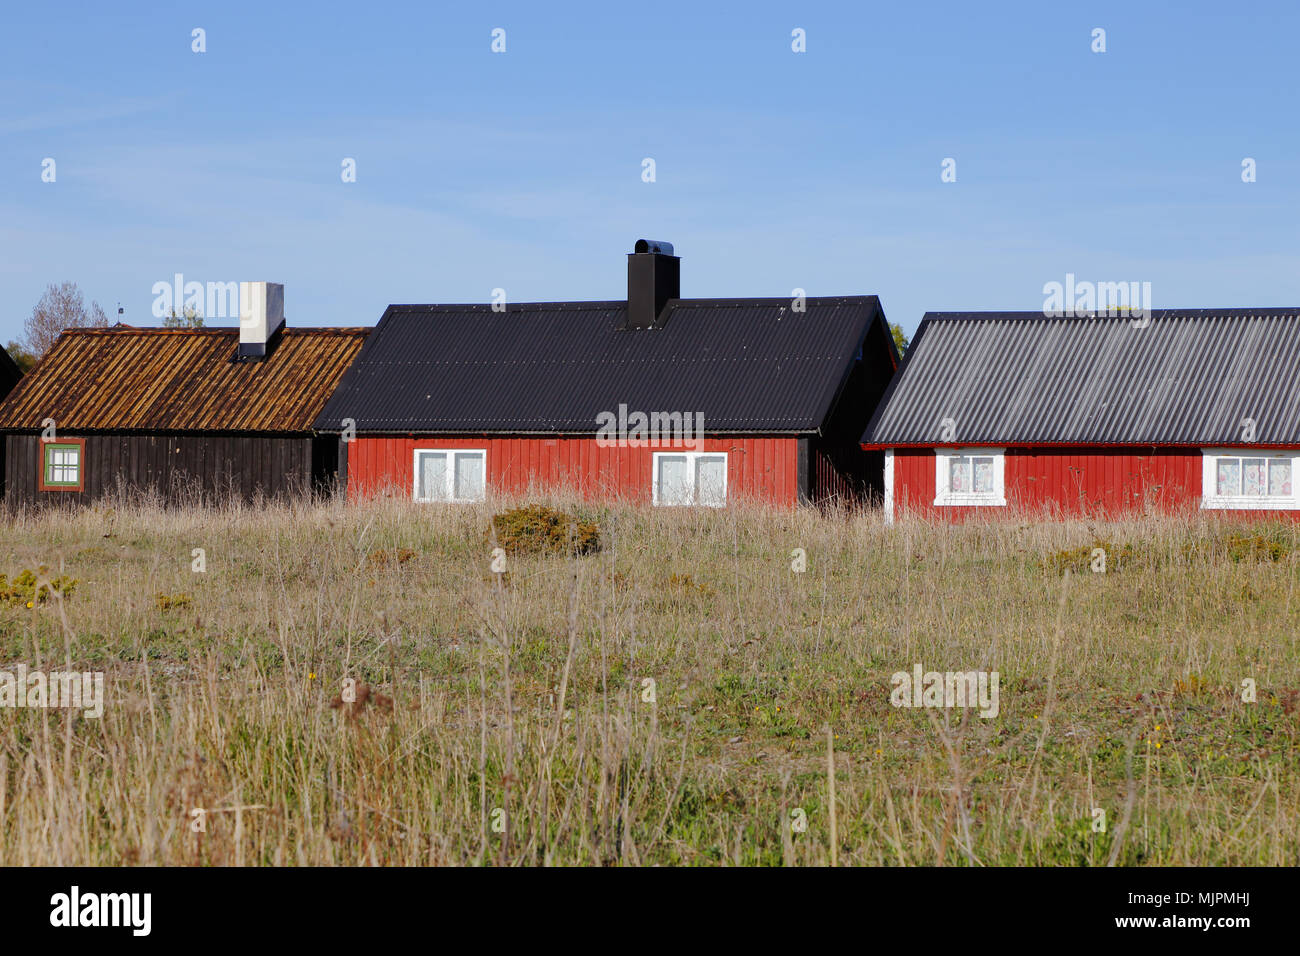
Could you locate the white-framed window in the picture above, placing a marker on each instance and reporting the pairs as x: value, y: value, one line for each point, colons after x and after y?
x: 1246, y: 479
x: 62, y: 465
x: 450, y: 474
x: 690, y: 478
x: 970, y: 476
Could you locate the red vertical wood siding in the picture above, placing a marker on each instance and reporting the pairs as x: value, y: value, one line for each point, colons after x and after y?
x: 758, y: 468
x: 1069, y: 481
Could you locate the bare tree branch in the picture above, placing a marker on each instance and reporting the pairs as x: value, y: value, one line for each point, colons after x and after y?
x: 61, y: 307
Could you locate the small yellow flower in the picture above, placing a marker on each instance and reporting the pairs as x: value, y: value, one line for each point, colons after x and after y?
x: 878, y: 750
x: 29, y: 604
x: 311, y: 676
x: 1157, y: 726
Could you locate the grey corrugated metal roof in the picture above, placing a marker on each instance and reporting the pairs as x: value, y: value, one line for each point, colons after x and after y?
x: 747, y: 365
x: 1189, y: 377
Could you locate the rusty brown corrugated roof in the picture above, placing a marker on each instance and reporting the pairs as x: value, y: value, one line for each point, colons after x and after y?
x: 170, y: 380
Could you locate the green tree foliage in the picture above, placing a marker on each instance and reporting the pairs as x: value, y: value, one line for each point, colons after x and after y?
x: 191, y: 318
x: 23, y: 358
x: 900, y: 338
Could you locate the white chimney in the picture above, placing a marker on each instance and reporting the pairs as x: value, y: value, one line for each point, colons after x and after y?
x: 261, y: 316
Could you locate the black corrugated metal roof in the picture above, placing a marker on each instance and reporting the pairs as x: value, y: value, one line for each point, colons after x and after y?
x: 1188, y: 377
x: 747, y: 365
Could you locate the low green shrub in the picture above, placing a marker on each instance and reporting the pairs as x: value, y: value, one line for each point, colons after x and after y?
x: 24, y: 591
x: 539, y: 529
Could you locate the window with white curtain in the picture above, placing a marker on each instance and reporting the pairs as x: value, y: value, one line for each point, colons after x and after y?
x: 970, y: 476
x: 1240, y: 478
x: 450, y: 474
x: 690, y: 478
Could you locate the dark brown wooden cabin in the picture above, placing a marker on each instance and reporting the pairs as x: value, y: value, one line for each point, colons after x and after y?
x: 175, y: 411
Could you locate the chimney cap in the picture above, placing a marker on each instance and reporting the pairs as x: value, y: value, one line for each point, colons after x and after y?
x: 657, y: 246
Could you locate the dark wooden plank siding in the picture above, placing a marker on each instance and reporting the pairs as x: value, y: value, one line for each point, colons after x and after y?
x: 175, y: 466
x: 840, y: 469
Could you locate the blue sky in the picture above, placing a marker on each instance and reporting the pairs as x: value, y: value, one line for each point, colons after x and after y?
x: 774, y: 170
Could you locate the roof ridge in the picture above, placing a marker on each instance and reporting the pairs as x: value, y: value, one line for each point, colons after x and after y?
x: 607, y: 304
x: 211, y: 330
x: 1123, y: 312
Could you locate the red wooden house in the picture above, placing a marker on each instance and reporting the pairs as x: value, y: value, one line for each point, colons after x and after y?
x: 1094, y: 415
x: 656, y: 399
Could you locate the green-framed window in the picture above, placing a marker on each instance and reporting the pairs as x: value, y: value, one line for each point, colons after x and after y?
x: 63, y: 465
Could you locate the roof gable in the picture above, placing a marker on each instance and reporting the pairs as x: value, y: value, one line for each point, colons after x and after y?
x: 1182, y: 377
x: 746, y: 365
x: 170, y: 380
x: 9, y: 373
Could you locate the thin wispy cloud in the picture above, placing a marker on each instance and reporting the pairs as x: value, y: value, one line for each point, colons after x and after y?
x: 74, y: 117
x: 819, y: 170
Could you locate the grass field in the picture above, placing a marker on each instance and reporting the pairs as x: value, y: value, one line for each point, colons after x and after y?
x: 677, y: 697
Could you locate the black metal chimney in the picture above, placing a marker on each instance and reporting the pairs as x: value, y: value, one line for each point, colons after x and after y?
x: 654, y: 276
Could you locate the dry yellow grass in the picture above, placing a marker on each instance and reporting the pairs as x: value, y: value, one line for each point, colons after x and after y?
x: 517, y: 724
